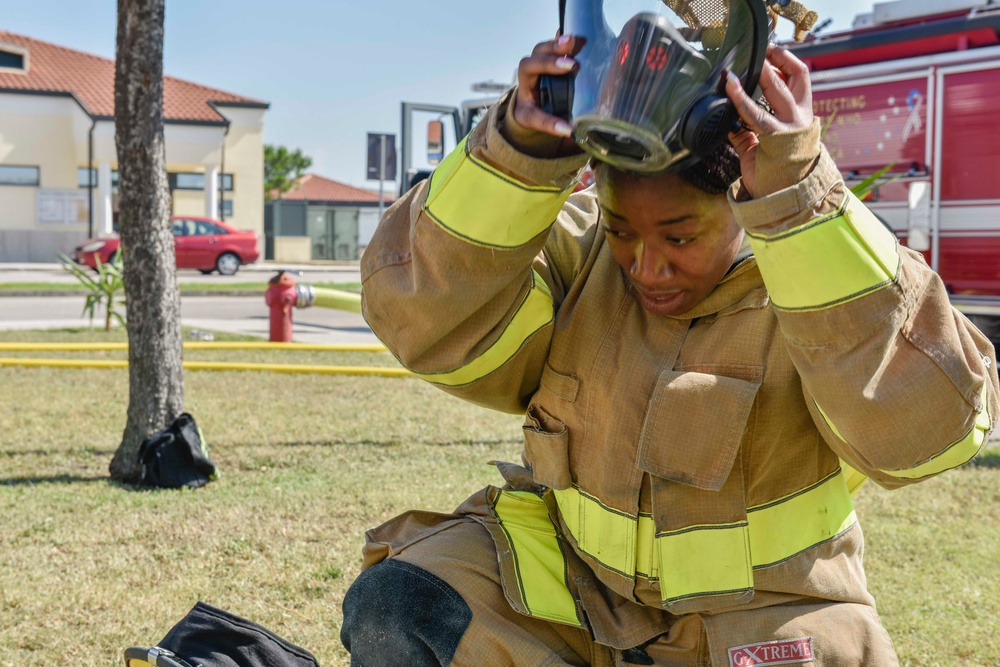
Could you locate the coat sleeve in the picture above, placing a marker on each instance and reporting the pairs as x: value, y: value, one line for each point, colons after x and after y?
x: 901, y: 385
x: 458, y: 281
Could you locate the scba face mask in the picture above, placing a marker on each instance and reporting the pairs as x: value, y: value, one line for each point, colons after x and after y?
x: 649, y: 95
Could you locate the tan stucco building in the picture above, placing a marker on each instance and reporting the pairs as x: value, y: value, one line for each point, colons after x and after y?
x: 58, y: 161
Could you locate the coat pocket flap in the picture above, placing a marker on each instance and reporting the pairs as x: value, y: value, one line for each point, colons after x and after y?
x: 563, y: 386
x: 694, y: 425
x: 546, y: 448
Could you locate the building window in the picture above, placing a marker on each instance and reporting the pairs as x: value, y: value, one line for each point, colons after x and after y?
x: 11, y: 60
x: 83, y: 172
x: 227, y: 208
x: 195, y: 181
x: 10, y: 175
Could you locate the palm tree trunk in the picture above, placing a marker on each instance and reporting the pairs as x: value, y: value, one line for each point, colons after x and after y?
x: 156, y: 382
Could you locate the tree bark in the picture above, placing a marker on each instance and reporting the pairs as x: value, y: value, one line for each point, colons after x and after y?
x: 156, y: 381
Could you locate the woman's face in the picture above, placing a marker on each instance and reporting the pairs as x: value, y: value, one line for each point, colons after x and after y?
x: 673, y: 240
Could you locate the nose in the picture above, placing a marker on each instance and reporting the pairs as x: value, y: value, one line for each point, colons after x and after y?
x: 649, y: 266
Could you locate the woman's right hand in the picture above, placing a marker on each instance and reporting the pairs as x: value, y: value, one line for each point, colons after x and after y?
x: 552, y: 57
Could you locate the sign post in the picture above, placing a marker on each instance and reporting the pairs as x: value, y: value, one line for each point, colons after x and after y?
x: 381, y: 163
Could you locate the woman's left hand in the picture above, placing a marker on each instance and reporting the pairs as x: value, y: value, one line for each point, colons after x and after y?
x: 785, y: 83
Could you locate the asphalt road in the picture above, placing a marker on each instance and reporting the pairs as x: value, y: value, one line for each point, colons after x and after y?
x: 239, y: 314
x: 233, y: 314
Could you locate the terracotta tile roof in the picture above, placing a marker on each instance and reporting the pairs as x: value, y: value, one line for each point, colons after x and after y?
x: 91, y: 79
x: 316, y: 188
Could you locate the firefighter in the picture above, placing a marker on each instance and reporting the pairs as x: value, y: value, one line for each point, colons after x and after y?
x: 713, y: 348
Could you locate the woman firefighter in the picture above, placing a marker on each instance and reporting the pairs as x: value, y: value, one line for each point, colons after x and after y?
x: 713, y: 347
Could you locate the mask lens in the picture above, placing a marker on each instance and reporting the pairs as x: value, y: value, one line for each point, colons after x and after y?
x: 645, y: 66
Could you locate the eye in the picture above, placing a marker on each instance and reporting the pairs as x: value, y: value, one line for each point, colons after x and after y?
x: 617, y: 233
x: 680, y: 241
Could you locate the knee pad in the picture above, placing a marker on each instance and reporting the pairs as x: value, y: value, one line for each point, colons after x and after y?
x: 396, y: 613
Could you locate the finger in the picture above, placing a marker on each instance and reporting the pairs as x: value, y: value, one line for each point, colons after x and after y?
x: 530, y: 116
x: 794, y: 71
x: 777, y: 93
x: 560, y: 46
x: 744, y: 141
x: 752, y: 115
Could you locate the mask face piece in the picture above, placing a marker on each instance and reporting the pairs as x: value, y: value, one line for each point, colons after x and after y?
x: 649, y: 95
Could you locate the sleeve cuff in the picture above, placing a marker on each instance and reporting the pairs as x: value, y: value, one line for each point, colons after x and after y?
x: 815, y: 195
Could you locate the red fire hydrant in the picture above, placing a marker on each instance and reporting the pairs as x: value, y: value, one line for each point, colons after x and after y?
x: 281, y: 297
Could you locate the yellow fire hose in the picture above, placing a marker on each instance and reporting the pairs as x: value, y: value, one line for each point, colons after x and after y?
x: 337, y: 299
x: 197, y: 345
x: 204, y: 365
x: 213, y: 366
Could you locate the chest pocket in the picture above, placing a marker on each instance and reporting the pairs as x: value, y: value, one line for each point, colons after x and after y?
x: 694, y: 425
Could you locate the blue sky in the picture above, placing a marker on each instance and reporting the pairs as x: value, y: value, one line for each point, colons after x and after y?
x: 332, y: 70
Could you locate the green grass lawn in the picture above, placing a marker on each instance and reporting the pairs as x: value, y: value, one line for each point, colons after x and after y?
x: 308, y: 463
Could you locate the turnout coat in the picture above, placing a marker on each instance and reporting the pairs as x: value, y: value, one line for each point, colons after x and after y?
x: 701, y: 463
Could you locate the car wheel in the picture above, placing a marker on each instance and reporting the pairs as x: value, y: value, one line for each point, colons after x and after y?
x: 227, y: 264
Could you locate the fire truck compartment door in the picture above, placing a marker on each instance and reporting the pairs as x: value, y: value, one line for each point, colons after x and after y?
x: 919, y: 226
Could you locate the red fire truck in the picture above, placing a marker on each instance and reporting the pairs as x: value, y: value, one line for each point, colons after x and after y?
x: 915, y: 84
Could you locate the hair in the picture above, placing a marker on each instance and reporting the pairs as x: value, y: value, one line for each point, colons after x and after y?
x: 713, y: 173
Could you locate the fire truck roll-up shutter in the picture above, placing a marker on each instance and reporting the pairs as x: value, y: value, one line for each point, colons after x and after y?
x: 955, y: 454
x: 473, y: 201
x: 695, y: 561
x: 828, y: 261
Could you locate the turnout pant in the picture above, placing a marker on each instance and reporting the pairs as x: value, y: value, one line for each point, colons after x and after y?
x: 438, y: 600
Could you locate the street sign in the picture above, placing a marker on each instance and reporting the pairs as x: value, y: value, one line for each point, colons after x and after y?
x: 381, y: 157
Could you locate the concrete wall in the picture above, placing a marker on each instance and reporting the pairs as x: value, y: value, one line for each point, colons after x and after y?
x: 37, y: 131
x: 245, y: 161
x: 292, y: 249
x: 28, y: 245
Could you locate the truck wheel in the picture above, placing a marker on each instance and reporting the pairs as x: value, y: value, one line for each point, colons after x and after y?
x: 227, y: 264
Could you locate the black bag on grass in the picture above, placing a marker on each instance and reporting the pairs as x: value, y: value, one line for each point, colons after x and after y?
x: 211, y: 637
x: 176, y: 456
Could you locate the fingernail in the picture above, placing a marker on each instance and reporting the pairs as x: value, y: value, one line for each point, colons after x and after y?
x: 563, y: 129
x: 563, y: 40
x: 565, y: 63
x: 732, y: 77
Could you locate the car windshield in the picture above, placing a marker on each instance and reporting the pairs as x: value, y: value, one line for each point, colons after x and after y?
x: 196, y: 228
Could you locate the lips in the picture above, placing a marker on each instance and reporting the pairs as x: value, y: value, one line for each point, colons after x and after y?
x: 660, y: 303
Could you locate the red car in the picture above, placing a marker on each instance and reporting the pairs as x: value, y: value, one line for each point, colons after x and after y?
x: 200, y: 243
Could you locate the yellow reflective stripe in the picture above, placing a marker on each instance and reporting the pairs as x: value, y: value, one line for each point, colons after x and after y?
x: 852, y: 477
x: 790, y: 525
x: 601, y: 532
x: 538, y: 558
x: 704, y: 560
x: 710, y: 559
x: 828, y: 261
x: 534, y: 313
x: 647, y: 549
x: 956, y: 453
x: 473, y: 201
